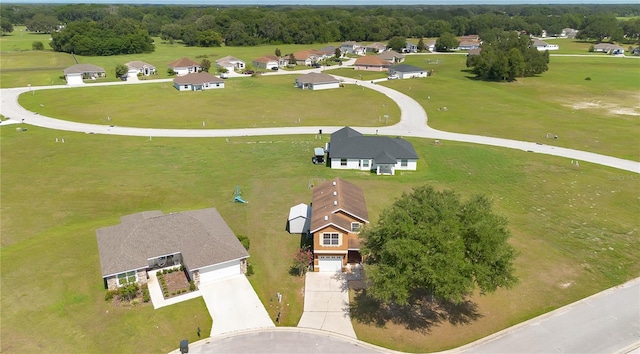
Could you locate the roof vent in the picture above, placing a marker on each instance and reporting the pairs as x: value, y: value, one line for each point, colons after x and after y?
x: 326, y: 217
x: 335, y: 202
x: 334, y: 183
x: 335, y: 192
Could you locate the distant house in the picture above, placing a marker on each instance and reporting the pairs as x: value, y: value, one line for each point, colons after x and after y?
x: 392, y: 56
x: 410, y: 47
x: 299, y: 219
x: 542, y: 45
x: 371, y: 63
x: 338, y: 212
x: 569, y: 33
x: 327, y: 52
x: 267, y: 62
x: 430, y: 45
x: 76, y: 74
x: 375, y: 48
x: 197, y: 82
x: 185, y: 66
x: 475, y: 51
x: 137, y: 67
x: 349, y: 149
x: 317, y: 81
x: 608, y: 48
x: 404, y: 71
x: 199, y: 240
x: 468, y: 45
x: 352, y: 47
x: 308, y: 57
x: 230, y: 63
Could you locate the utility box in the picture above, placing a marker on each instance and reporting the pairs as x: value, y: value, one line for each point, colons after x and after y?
x: 184, y: 346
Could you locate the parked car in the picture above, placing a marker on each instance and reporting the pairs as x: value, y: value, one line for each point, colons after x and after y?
x: 224, y: 75
x: 275, y: 68
x: 315, y: 65
x: 249, y: 72
x: 393, y: 77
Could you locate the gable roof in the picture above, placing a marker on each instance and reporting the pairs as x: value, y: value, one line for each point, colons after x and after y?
x: 266, y: 59
x: 317, y: 78
x: 228, y: 59
x: 539, y: 43
x: 390, y: 55
x: 404, y: 68
x: 371, y: 60
x: 332, y: 198
x: 83, y: 68
x: 306, y: 54
x: 201, y: 236
x: 377, y: 46
x: 196, y: 78
x: 137, y: 64
x: 183, y: 63
x: 348, y: 143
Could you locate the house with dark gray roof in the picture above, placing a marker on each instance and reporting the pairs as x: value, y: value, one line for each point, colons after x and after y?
x: 404, y: 71
x: 317, y: 81
x: 349, y: 149
x: 199, y: 240
x: 76, y: 74
x: 197, y: 82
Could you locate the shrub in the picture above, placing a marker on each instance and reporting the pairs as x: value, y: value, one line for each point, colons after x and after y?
x: 181, y: 268
x: 171, y: 72
x: 588, y: 78
x: 244, y: 240
x: 192, y: 286
x: 146, y: 297
x: 37, y: 45
x: 592, y: 49
x: 134, y: 302
x: 159, y: 274
x: 128, y: 291
x: 250, y: 270
x: 108, y: 296
x: 164, y: 271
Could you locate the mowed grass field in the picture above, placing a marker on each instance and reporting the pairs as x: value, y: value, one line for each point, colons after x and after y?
x: 600, y: 115
x: 267, y: 101
x: 575, y: 229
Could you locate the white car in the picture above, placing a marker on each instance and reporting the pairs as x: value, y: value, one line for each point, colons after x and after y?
x: 393, y: 77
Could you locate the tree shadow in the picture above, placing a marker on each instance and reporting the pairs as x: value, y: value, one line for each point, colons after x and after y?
x: 420, y: 314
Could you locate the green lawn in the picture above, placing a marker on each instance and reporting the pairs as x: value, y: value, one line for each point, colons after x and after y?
x: 268, y: 101
x: 573, y: 226
x: 601, y: 115
x: 21, y: 40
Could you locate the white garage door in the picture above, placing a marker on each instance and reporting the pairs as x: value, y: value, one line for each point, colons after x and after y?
x: 330, y: 263
x: 219, y: 271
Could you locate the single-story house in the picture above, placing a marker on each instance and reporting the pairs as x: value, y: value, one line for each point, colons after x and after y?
x: 139, y: 67
x: 327, y: 52
x: 375, y: 48
x: 317, y: 81
x: 185, y: 66
x: 197, y: 82
x: 352, y: 47
x: 338, y: 212
x: 608, y: 48
x: 230, y: 63
x: 308, y: 57
x: 76, y: 74
x: 542, y: 45
x: 371, y: 63
x: 199, y: 240
x: 392, y: 56
x: 299, y: 219
x: 410, y: 47
x: 404, y: 71
x: 267, y: 62
x: 569, y: 33
x: 468, y: 45
x: 430, y: 45
x: 349, y: 149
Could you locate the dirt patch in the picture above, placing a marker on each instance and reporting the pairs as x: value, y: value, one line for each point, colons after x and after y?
x: 174, y: 283
x: 613, y: 108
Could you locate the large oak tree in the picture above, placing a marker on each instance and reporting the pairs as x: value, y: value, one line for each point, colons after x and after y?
x: 431, y: 240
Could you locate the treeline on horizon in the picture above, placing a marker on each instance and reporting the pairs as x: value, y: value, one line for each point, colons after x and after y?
x: 120, y: 29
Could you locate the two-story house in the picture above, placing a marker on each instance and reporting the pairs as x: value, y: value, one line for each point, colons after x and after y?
x: 338, y: 211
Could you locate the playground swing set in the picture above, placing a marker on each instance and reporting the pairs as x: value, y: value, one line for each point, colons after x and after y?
x: 237, y: 198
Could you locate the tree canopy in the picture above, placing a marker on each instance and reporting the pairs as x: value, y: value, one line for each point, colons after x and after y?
x: 507, y: 56
x: 397, y: 43
x: 447, y: 42
x: 431, y: 240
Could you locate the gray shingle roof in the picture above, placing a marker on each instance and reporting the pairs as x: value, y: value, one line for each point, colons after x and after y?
x: 201, y: 236
x: 196, y: 79
x: 316, y: 78
x: 335, y: 198
x: 404, y: 68
x: 83, y: 68
x: 348, y: 143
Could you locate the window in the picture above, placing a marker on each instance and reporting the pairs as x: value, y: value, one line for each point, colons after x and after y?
x: 365, y: 163
x: 404, y: 163
x: 330, y: 239
x: 355, y: 226
x: 343, y: 162
x: 128, y: 277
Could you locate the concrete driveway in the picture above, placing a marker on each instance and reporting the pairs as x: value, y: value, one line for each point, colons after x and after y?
x: 234, y: 305
x: 326, y: 303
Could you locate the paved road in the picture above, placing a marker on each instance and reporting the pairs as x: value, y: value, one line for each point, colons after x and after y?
x: 413, y: 123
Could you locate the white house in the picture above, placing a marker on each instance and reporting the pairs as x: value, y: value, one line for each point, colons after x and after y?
x: 317, y: 81
x: 404, y: 71
x: 267, y: 62
x: 137, y: 67
x: 299, y: 219
x: 410, y: 47
x: 352, y: 47
x: 185, y: 66
x: 542, y: 45
x: 230, y: 63
x: 349, y: 149
x: 608, y: 48
x: 76, y: 74
x: 197, y: 82
x: 199, y: 240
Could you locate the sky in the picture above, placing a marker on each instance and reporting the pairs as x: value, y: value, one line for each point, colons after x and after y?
x: 325, y: 2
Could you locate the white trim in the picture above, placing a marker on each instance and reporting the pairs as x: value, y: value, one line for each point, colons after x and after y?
x: 343, y: 252
x: 214, y: 264
x: 329, y: 224
x: 130, y: 270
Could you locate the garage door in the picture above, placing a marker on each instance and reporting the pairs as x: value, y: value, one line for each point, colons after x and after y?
x: 219, y: 271
x: 330, y: 263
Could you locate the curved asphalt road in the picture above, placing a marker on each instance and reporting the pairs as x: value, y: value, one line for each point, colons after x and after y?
x: 413, y: 123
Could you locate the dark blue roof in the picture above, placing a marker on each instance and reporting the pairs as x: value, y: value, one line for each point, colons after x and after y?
x: 348, y: 143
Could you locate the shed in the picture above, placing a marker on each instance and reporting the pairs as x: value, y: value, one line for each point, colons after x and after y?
x: 299, y: 219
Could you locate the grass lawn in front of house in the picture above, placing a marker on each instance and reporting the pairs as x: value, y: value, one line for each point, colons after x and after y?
x: 575, y: 229
x: 600, y: 115
x: 268, y: 101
